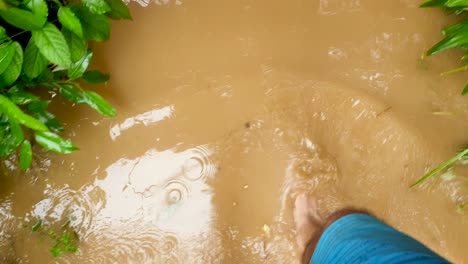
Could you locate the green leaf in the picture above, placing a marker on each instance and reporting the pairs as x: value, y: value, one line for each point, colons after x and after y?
x: 34, y: 62
x: 72, y: 248
x: 28, y: 82
x: 71, y: 94
x: 465, y: 90
x: 16, y: 130
x: 119, y: 10
x: 96, y: 6
x: 78, y: 68
x: 7, y: 146
x: 60, y: 75
x: 12, y: 139
x: 23, y: 19
x: 37, y: 226
x: 14, y: 113
x: 445, y: 165
x: 53, y: 142
x: 25, y: 157
x: 38, y: 110
x: 10, y: 3
x: 50, y: 120
x: 3, y: 5
x: 40, y: 10
x: 456, y: 36
x: 69, y: 21
x: 56, y: 251
x: 38, y: 106
x: 7, y: 52
x: 456, y: 28
x: 52, y: 234
x: 11, y: 74
x: 95, y: 77
x: 46, y: 76
x: 90, y: 98
x: 3, y: 34
x: 449, y: 42
x: 433, y: 3
x: 95, y: 27
x: 51, y: 43
x: 76, y: 44
x: 96, y: 102
x: 456, y: 3
x: 22, y: 97
x: 66, y: 238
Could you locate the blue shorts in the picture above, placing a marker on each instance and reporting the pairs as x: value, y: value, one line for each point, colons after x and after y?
x: 360, y: 238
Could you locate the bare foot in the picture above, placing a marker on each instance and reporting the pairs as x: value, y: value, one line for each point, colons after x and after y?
x: 307, y: 219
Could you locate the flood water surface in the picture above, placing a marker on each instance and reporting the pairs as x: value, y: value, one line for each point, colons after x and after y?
x: 228, y: 110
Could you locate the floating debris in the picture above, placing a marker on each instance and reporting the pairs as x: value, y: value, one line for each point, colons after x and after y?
x: 267, y: 230
x: 441, y: 113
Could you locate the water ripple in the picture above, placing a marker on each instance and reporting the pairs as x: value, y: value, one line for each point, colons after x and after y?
x: 63, y: 205
x: 199, y: 165
x: 144, y: 244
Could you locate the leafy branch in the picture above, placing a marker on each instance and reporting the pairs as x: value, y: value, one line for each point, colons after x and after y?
x: 44, y: 45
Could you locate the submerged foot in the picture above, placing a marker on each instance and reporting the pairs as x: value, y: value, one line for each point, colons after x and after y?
x: 307, y: 219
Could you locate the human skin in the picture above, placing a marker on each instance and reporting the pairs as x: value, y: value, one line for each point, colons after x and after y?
x: 310, y: 225
x: 310, y: 246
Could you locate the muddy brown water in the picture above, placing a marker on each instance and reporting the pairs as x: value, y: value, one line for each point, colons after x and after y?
x: 227, y: 110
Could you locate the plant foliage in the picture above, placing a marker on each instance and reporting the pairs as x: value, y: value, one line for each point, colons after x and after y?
x: 448, y: 164
x: 455, y: 36
x: 44, y: 45
x: 64, y: 240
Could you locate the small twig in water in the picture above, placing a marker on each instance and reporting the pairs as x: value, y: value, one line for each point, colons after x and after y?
x: 384, y: 111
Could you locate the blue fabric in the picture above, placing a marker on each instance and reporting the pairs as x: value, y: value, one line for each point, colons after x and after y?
x: 360, y: 238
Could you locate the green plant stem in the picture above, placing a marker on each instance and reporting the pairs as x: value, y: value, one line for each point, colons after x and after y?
x: 440, y: 168
x: 76, y: 85
x: 463, y: 68
x: 22, y: 32
x: 17, y: 34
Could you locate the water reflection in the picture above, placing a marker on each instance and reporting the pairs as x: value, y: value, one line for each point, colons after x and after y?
x: 333, y: 7
x: 142, y: 208
x: 146, y: 119
x: 159, y: 2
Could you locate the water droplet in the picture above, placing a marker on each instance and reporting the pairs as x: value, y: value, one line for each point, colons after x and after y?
x: 176, y: 192
x: 173, y: 196
x: 199, y: 165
